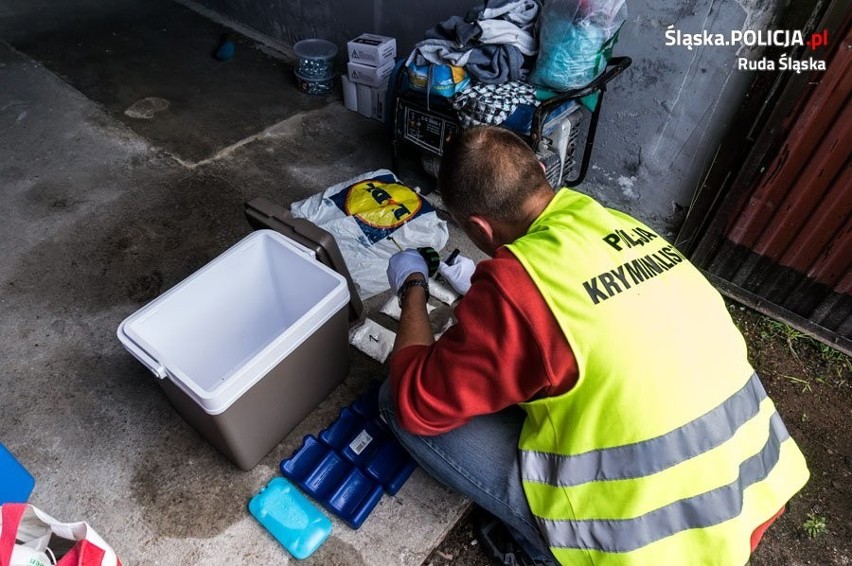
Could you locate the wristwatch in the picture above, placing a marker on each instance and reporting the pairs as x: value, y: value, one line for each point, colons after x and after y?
x: 413, y: 283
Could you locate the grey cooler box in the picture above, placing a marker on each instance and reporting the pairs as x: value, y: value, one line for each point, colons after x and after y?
x: 246, y: 347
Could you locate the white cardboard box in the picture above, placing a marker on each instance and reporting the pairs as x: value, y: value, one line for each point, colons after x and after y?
x: 370, y: 76
x: 350, y: 93
x: 365, y: 100
x: 371, y: 101
x: 371, y: 49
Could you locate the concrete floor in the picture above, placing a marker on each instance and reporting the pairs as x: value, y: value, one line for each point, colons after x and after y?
x: 153, y: 58
x: 96, y: 220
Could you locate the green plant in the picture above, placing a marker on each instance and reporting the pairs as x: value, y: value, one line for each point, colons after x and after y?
x: 829, y: 354
x: 783, y: 330
x: 815, y: 525
x: 806, y: 385
x: 787, y: 333
x: 791, y: 335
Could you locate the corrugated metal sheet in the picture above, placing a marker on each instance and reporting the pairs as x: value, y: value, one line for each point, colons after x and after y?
x: 787, y: 243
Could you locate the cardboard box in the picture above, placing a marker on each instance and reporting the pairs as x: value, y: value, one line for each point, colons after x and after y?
x: 373, y: 50
x: 350, y: 94
x: 371, y: 101
x: 365, y: 100
x: 370, y: 76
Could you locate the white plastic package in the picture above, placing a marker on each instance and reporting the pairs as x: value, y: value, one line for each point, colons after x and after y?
x: 362, y: 213
x: 373, y: 339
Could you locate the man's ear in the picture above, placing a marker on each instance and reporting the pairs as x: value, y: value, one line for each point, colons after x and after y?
x: 483, y: 234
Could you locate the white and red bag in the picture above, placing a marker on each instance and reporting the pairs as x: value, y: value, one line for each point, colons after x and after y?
x: 25, y: 529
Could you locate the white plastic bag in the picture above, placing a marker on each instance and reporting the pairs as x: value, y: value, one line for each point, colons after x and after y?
x: 362, y: 213
x: 25, y: 532
x: 576, y: 38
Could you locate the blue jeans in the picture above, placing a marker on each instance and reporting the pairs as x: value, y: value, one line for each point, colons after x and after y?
x: 479, y: 460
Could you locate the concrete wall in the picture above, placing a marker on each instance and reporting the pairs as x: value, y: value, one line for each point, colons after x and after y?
x: 662, y: 120
x: 288, y: 21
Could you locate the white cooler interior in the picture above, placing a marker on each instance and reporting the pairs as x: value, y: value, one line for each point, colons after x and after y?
x: 213, y: 323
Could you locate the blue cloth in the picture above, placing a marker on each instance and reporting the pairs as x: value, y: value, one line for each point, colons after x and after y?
x: 491, y: 43
x: 479, y: 460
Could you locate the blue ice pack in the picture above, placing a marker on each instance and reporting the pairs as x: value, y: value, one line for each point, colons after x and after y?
x: 290, y: 517
x: 16, y: 483
x: 350, y: 464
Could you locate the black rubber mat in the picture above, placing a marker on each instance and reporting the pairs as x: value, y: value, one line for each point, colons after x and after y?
x: 150, y: 63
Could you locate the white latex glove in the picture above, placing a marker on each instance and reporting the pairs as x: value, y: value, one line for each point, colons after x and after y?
x: 459, y: 273
x: 403, y: 264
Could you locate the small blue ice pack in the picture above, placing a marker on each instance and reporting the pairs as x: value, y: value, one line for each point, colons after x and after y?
x: 288, y: 515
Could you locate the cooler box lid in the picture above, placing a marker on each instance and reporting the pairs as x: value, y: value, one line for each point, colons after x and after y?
x: 263, y: 213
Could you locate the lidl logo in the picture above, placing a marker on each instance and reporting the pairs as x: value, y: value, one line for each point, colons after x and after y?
x: 380, y: 205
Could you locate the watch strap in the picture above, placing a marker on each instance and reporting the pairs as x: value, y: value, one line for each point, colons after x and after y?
x: 410, y: 284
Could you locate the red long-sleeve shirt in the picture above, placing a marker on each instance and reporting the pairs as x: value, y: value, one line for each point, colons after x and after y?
x: 507, y: 348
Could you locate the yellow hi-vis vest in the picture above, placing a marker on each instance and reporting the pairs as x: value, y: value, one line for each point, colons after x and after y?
x: 667, y: 451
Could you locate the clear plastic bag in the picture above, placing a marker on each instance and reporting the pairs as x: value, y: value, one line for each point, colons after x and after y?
x: 576, y: 38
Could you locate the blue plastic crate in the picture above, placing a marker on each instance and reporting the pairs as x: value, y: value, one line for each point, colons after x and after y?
x: 354, y: 437
x: 352, y: 462
x: 367, y: 405
x: 16, y: 484
x: 355, y: 498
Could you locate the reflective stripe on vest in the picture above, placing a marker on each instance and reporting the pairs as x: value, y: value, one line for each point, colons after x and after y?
x: 651, y: 456
x: 704, y: 510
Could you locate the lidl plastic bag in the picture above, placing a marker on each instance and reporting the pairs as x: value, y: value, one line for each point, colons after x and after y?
x: 576, y: 38
x: 362, y: 213
x: 26, y: 531
x: 443, y: 80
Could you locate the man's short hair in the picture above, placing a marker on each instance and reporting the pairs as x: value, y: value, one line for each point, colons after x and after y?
x: 489, y: 171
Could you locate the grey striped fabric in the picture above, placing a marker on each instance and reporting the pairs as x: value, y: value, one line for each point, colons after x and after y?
x: 650, y: 456
x: 704, y: 510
